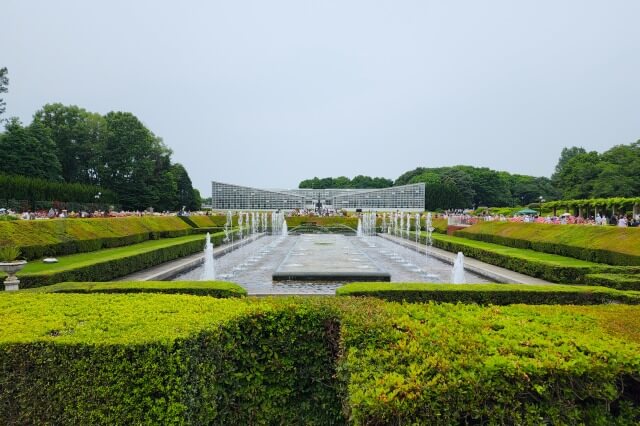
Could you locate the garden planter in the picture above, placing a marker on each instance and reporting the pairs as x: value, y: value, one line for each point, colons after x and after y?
x: 11, y: 268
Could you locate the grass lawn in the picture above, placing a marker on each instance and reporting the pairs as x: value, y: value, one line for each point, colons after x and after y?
x: 83, y: 259
x: 552, y: 259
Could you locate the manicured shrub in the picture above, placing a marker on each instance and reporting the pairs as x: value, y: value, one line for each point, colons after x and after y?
x: 602, y: 244
x: 166, y: 359
x: 350, y: 221
x: 32, y: 190
x: 40, y: 238
x: 619, y: 281
x: 219, y: 289
x: 113, y: 263
x: 495, y: 294
x: 163, y: 359
x: 442, y: 364
x: 546, y: 266
x: 106, y: 265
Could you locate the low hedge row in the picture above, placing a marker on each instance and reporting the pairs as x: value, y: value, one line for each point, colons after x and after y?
x: 163, y: 359
x: 112, y: 263
x: 166, y: 359
x: 495, y: 294
x: 58, y: 237
x: 619, y: 281
x: 549, y: 267
x: 602, y: 244
x: 219, y: 289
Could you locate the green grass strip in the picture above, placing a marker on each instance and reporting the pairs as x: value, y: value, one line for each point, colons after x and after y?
x: 75, y: 261
x: 551, y: 259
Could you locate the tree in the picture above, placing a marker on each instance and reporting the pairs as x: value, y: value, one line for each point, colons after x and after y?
x: 28, y: 151
x: 129, y: 160
x: 185, y: 193
x: 79, y: 139
x: 565, y: 156
x: 4, y: 88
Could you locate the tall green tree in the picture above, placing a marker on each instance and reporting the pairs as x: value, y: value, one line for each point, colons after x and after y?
x: 129, y: 159
x: 79, y: 139
x: 565, y: 156
x: 28, y: 151
x: 186, y: 196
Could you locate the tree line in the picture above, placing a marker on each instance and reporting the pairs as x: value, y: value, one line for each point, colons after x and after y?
x: 359, y: 181
x: 115, y: 151
x: 578, y: 174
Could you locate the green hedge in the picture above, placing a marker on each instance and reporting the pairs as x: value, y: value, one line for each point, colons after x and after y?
x: 56, y: 237
x: 33, y: 189
x: 546, y: 266
x: 495, y: 294
x: 219, y: 289
x: 442, y: 364
x: 109, y: 264
x: 601, y: 244
x: 164, y: 359
x: 619, y: 281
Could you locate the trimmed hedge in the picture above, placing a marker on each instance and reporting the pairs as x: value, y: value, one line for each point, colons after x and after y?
x: 495, y: 294
x: 619, y: 281
x: 164, y: 359
x: 219, y: 289
x: 442, y: 364
x: 109, y: 264
x: 546, y: 266
x: 602, y: 244
x: 56, y: 237
x: 34, y: 189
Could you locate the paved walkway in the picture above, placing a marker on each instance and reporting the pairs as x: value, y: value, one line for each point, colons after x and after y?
x: 170, y: 269
x: 492, y: 272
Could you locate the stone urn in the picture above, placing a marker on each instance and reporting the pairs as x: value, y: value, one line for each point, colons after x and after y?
x: 11, y: 268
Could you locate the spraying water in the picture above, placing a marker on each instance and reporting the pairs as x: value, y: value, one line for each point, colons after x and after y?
x: 457, y: 273
x: 359, y: 231
x: 208, y: 272
x: 285, y: 229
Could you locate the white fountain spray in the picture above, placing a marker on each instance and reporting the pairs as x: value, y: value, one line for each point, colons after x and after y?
x: 208, y: 272
x: 359, y: 230
x: 417, y: 231
x: 457, y: 273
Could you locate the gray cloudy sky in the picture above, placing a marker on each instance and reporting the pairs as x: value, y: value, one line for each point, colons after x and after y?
x: 267, y: 93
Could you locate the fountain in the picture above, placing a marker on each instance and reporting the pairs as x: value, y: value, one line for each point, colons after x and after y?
x: 285, y: 229
x: 208, y: 272
x: 359, y: 231
x: 457, y: 273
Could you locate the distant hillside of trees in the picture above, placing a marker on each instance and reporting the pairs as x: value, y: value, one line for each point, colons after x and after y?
x: 578, y: 174
x: 344, y: 182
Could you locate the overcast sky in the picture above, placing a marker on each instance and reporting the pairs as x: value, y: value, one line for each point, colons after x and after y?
x: 267, y: 93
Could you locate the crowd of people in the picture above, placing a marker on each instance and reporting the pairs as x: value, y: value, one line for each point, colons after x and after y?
x: 563, y: 219
x: 54, y: 213
x: 457, y: 216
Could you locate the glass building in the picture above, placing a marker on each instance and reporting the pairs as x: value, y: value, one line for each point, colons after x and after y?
x: 234, y: 197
